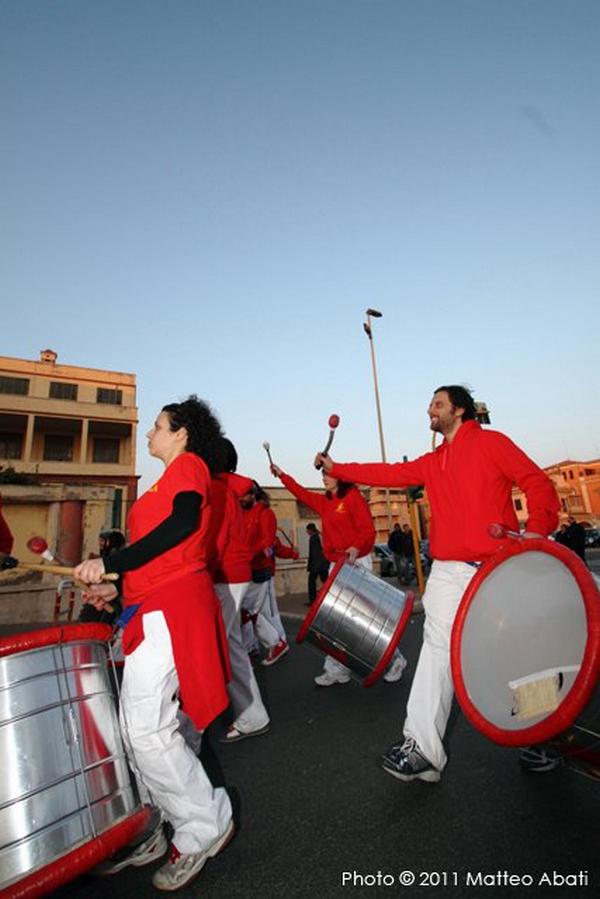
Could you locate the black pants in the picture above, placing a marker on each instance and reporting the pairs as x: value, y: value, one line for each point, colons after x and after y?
x: 312, y: 582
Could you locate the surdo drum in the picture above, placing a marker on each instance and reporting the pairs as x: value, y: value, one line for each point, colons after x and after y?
x: 358, y: 619
x: 525, y: 650
x: 67, y: 799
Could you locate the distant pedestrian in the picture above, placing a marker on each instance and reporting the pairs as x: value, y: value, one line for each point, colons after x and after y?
x: 317, y: 566
x: 575, y: 537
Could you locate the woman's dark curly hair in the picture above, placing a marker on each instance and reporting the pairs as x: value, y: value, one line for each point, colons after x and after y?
x: 205, y: 435
x: 230, y: 455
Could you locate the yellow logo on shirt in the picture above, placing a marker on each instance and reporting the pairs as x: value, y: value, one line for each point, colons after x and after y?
x: 340, y: 507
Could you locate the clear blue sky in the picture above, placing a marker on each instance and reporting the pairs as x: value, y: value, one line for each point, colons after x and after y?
x: 209, y: 194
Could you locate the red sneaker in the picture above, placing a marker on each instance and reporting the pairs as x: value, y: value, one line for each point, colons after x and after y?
x: 276, y: 652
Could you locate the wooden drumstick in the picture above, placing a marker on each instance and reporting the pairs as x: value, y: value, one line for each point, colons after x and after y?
x: 267, y: 448
x: 65, y: 570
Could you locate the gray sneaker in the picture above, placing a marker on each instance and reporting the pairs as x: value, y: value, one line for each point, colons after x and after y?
x: 406, y: 762
x: 152, y: 849
x: 181, y: 868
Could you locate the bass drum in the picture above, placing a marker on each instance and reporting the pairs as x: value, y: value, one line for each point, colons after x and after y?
x: 67, y: 798
x: 525, y: 650
x: 358, y: 619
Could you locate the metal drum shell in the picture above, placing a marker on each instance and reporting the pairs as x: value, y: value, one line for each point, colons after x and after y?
x: 358, y: 619
x: 580, y: 632
x: 65, y: 776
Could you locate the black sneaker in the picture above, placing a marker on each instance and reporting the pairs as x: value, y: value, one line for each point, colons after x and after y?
x: 406, y: 762
x: 539, y: 759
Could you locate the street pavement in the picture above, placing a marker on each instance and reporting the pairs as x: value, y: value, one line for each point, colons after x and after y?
x: 313, y: 805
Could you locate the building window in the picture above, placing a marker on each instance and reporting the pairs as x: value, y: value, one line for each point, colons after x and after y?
x: 106, y: 449
x: 61, y: 391
x: 11, y: 446
x: 571, y: 475
x: 113, y: 397
x: 19, y: 386
x: 518, y: 505
x: 58, y: 448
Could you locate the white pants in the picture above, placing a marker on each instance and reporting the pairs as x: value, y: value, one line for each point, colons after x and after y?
x: 331, y: 665
x: 260, y: 600
x: 432, y: 690
x: 248, y: 708
x: 164, y: 764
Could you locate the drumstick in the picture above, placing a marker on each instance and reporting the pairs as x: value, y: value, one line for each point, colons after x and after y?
x: 333, y: 422
x: 267, y: 447
x: 39, y: 546
x: 286, y: 536
x: 65, y: 570
x: 499, y: 531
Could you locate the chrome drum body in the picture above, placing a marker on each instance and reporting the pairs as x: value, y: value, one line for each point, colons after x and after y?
x: 358, y: 619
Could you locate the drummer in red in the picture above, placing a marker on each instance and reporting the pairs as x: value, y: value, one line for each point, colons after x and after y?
x: 174, y: 643
x: 349, y: 534
x: 469, y: 480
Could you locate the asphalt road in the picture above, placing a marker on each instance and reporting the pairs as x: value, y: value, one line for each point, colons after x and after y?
x: 313, y: 805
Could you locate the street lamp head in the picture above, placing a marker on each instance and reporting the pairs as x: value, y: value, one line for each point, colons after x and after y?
x: 375, y: 313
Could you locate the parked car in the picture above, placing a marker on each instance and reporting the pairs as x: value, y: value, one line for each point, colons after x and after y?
x: 592, y: 537
x: 387, y: 566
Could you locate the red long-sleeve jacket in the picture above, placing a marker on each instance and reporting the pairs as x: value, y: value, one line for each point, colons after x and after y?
x: 469, y: 483
x: 261, y: 533
x: 228, y: 551
x: 6, y: 537
x: 345, y: 522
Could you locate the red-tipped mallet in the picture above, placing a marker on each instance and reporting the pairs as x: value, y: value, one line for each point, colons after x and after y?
x: 499, y: 532
x: 39, y: 546
x: 334, y: 421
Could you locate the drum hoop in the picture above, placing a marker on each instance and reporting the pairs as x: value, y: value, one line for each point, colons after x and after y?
x: 587, y: 678
x: 395, y: 639
x: 51, y: 636
x: 314, y: 609
x: 81, y: 859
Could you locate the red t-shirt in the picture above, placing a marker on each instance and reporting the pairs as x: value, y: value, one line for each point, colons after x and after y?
x: 186, y: 473
x: 261, y: 532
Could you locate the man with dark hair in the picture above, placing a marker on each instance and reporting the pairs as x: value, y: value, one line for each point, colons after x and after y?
x: 317, y: 565
x: 575, y: 537
x: 469, y: 480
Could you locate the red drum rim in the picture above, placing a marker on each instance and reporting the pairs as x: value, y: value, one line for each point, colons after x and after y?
x: 314, y: 609
x: 50, y: 636
x: 585, y: 682
x: 78, y: 861
x: 386, y: 658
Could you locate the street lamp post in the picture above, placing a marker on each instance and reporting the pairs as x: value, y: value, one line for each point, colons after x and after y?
x: 374, y: 313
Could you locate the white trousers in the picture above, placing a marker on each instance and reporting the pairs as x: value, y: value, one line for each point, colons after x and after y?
x: 260, y: 600
x: 331, y: 665
x: 432, y: 690
x: 163, y: 762
x: 248, y: 708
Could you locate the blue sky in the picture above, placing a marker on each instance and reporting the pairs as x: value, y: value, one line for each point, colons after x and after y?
x: 210, y: 194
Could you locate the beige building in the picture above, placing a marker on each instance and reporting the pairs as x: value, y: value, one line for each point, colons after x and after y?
x: 67, y: 424
x: 578, y: 488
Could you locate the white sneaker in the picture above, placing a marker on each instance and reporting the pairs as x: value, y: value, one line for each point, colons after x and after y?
x: 153, y: 848
x: 181, y: 868
x: 328, y: 680
x: 395, y: 670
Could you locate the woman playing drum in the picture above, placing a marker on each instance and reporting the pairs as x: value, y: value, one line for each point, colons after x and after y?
x: 348, y: 533
x: 174, y: 642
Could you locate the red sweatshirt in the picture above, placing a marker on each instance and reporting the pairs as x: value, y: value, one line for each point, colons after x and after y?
x: 229, y: 554
x: 261, y: 533
x: 345, y: 522
x: 6, y: 538
x: 469, y: 483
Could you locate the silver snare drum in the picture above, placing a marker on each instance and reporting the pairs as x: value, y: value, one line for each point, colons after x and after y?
x: 358, y: 619
x: 65, y: 781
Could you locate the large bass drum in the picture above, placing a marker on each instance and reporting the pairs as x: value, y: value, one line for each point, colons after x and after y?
x: 67, y: 799
x: 525, y: 650
x: 358, y: 619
